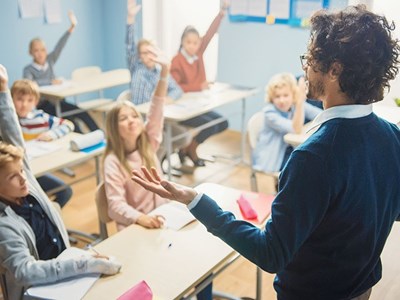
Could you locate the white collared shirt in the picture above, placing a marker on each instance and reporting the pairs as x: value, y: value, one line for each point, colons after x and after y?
x: 352, y: 111
x: 41, y: 67
x: 190, y: 59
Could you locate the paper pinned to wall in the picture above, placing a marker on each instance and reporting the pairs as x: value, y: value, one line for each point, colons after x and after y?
x: 256, y: 8
x: 52, y: 9
x: 30, y: 8
x: 280, y: 9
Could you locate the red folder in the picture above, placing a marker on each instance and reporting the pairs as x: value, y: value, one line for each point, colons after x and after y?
x: 253, y: 207
x: 140, y: 291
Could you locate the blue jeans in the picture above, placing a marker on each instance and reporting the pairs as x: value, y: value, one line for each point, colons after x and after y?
x: 49, y: 182
x: 207, y: 132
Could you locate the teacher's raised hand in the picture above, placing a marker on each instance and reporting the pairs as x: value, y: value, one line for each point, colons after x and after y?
x: 152, y: 181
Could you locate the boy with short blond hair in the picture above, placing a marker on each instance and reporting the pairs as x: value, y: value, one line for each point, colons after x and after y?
x: 38, y: 125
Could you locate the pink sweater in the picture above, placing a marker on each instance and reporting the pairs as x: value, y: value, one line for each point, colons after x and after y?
x: 127, y: 200
x: 190, y: 77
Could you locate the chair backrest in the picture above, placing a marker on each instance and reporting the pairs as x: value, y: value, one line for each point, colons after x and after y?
x: 101, y: 203
x: 3, y: 286
x: 254, y: 126
x: 125, y: 96
x: 85, y: 72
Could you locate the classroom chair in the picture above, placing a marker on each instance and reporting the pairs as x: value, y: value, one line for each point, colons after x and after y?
x: 254, y: 126
x: 3, y: 287
x: 102, y: 210
x: 125, y: 96
x: 100, y: 104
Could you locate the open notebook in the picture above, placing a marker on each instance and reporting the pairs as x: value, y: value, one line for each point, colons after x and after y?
x: 176, y: 215
x: 73, y: 288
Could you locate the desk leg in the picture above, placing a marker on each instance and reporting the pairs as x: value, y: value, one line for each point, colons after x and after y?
x: 243, y: 134
x: 58, y: 108
x: 258, y: 284
x: 168, y: 147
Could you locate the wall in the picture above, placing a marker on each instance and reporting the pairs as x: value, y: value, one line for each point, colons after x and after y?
x: 83, y: 48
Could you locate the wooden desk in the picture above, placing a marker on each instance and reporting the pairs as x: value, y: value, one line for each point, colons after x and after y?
x: 98, y: 82
x: 171, y: 272
x: 64, y: 157
x: 195, y: 104
x: 388, y: 113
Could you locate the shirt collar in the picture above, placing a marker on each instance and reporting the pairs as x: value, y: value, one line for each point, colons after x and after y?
x: 40, y: 67
x: 352, y: 111
x: 190, y: 59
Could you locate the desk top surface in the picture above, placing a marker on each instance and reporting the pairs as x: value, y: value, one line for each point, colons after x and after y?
x: 97, y: 82
x: 196, y: 103
x: 61, y: 158
x: 170, y: 271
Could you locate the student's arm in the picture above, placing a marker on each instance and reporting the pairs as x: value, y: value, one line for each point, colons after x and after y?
x: 16, y: 258
x: 58, y: 127
x: 311, y: 111
x: 273, y: 120
x: 300, y: 99
x: 9, y: 126
x: 155, y: 117
x: 212, y: 30
x: 131, y: 49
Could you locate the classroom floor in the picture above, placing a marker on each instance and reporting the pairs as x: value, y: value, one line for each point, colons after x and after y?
x: 238, y: 279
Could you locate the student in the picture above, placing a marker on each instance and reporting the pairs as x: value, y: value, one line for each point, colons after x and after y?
x: 41, y: 70
x: 32, y: 233
x: 38, y: 125
x: 132, y: 143
x: 188, y: 70
x: 284, y: 113
x: 337, y: 200
x: 145, y: 75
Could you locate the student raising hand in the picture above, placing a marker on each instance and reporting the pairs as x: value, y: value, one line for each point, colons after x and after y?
x: 73, y: 20
x: 132, y: 10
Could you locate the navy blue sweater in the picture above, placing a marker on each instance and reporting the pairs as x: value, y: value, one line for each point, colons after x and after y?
x: 339, y: 197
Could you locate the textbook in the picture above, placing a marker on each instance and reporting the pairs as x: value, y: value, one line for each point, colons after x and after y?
x: 175, y: 215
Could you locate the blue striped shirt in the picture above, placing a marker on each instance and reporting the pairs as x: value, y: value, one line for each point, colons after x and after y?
x: 144, y: 80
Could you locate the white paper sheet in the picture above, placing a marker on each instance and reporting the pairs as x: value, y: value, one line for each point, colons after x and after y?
x: 280, y: 9
x: 69, y: 289
x: 36, y: 148
x: 176, y: 215
x: 30, y: 8
x: 52, y: 9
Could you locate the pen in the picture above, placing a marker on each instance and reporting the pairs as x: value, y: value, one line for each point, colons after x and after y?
x: 97, y: 254
x: 169, y: 245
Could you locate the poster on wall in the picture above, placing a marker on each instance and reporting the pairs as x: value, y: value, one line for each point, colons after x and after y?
x: 30, y: 8
x: 52, y: 10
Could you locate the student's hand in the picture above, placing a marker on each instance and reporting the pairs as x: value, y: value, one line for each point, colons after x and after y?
x: 132, y: 11
x: 224, y: 7
x: 152, y: 181
x: 73, y: 20
x: 45, y: 137
x: 103, y: 266
x: 3, y: 79
x: 301, y: 91
x: 158, y: 56
x: 151, y: 222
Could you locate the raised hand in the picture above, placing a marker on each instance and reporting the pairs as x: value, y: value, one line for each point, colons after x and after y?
x: 3, y: 79
x: 224, y: 6
x: 158, y: 56
x: 132, y: 11
x: 152, y: 181
x: 301, y: 90
x: 73, y: 20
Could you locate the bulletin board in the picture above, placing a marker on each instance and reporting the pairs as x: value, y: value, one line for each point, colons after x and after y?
x: 290, y: 12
